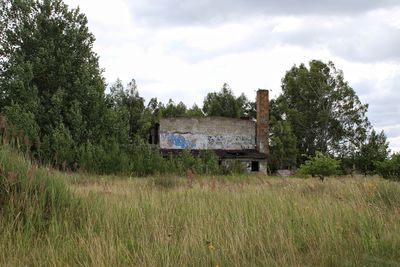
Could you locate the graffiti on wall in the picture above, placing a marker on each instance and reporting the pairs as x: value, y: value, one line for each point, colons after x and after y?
x: 230, y: 141
x: 173, y: 140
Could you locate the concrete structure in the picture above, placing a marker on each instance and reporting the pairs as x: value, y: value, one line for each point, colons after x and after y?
x: 207, y: 133
x: 229, y: 138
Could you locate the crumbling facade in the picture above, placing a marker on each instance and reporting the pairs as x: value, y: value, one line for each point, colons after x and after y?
x: 231, y: 139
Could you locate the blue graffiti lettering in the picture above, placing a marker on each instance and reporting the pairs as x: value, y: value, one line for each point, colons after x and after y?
x: 180, y: 141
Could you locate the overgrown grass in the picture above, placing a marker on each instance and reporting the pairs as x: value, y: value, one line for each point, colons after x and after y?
x: 210, y: 221
x: 32, y: 198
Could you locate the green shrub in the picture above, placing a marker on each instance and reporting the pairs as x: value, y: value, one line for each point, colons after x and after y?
x: 320, y: 165
x: 106, y: 158
x: 209, y: 161
x: 185, y: 160
x: 58, y: 147
x: 21, y: 125
x: 145, y: 160
x: 389, y: 169
x: 234, y: 167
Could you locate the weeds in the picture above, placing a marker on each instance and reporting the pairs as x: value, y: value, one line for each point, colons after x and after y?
x: 195, y: 221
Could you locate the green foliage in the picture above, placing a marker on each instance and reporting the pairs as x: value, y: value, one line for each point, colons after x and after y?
x: 323, y: 110
x: 146, y: 160
x: 234, y: 167
x: 225, y: 104
x: 21, y: 123
x: 128, y: 107
x: 205, y: 163
x: 186, y: 160
x: 48, y: 68
x: 389, y: 169
x: 320, y: 165
x: 173, y: 110
x: 59, y: 146
x: 194, y: 111
x: 374, y: 150
x: 209, y: 162
x: 283, y: 149
x: 105, y: 158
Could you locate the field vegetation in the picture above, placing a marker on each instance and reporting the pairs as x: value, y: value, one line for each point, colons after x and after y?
x: 60, y: 219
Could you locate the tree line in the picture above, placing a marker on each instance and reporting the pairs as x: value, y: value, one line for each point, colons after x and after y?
x: 53, y: 94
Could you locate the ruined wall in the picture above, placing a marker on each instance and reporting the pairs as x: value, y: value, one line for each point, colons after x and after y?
x: 207, y: 133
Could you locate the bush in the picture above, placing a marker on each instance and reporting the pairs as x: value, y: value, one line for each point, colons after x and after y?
x: 106, y: 158
x: 390, y: 169
x: 59, y: 147
x: 209, y: 161
x: 21, y: 125
x: 146, y: 160
x: 234, y: 167
x: 205, y: 163
x: 185, y: 160
x: 320, y: 165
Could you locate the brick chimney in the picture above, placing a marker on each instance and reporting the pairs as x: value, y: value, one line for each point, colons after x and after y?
x: 262, y: 130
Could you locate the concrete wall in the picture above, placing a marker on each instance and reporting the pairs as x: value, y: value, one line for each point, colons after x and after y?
x: 207, y: 133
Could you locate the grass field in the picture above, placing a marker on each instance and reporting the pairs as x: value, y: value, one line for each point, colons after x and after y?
x: 230, y: 221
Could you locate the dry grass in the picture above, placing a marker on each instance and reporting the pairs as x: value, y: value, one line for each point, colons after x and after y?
x: 232, y: 221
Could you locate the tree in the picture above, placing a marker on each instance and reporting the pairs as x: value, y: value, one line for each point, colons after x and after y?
x: 128, y: 108
x: 225, y: 104
x: 173, y: 110
x: 282, y: 140
x: 320, y: 165
x: 48, y: 68
x: 323, y: 110
x: 283, y: 149
x: 374, y: 150
x: 194, y: 111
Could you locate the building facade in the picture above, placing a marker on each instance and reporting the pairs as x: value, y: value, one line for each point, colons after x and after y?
x: 231, y: 139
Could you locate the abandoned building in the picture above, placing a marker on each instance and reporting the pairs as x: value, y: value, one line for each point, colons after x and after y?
x: 231, y: 139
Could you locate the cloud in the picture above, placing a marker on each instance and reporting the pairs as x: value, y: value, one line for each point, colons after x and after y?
x: 175, y: 12
x: 382, y: 94
x: 362, y: 38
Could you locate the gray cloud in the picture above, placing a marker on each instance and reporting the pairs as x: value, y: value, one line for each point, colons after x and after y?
x: 214, y: 11
x: 360, y: 38
x: 384, y: 108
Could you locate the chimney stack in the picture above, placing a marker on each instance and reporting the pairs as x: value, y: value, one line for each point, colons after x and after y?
x: 262, y: 103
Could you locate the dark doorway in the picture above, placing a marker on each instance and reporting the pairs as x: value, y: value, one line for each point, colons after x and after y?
x: 255, y: 166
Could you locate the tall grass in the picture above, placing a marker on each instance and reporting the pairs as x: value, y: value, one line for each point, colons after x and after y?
x: 253, y: 221
x: 32, y: 199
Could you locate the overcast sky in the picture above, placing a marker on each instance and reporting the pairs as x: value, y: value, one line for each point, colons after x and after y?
x: 183, y: 49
